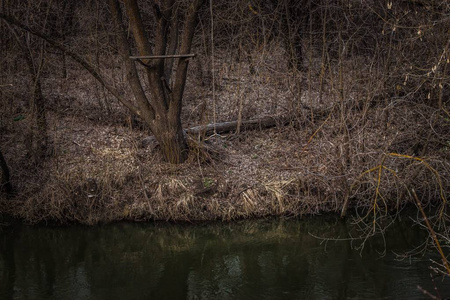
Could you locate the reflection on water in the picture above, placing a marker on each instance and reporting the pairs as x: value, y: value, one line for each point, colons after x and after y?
x: 277, y: 259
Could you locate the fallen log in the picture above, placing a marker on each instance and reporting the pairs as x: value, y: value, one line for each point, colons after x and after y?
x: 226, y: 127
x: 255, y: 124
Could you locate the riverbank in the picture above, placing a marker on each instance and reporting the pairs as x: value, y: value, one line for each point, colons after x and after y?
x: 360, y: 147
x: 100, y: 172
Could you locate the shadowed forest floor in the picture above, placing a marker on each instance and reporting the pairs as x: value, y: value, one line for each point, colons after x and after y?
x: 99, y: 171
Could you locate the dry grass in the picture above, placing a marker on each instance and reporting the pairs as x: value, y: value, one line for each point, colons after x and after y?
x: 100, y: 173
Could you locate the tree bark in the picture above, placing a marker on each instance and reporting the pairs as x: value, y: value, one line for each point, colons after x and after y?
x: 38, y: 142
x: 5, y: 184
x: 172, y: 140
x: 224, y: 127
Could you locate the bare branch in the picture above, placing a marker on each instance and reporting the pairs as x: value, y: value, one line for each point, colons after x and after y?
x: 91, y: 69
x: 163, y: 56
x: 185, y: 47
x: 132, y: 74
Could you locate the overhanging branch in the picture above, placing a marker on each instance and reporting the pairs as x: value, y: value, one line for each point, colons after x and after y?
x: 163, y: 56
x: 140, y: 58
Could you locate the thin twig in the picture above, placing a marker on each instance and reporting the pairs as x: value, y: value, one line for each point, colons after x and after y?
x: 433, y: 234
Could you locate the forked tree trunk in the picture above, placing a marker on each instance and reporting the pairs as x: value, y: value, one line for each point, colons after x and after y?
x: 161, y: 108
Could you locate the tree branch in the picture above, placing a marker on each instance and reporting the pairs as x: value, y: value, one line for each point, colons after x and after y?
x: 173, y: 44
x: 137, y: 27
x: 132, y: 75
x: 91, y: 69
x: 185, y: 48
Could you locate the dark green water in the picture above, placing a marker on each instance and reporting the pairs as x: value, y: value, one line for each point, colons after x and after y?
x: 246, y: 260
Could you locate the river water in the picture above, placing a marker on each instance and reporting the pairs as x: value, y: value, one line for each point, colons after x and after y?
x: 264, y: 259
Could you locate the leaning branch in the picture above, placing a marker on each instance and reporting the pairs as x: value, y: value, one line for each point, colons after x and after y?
x: 162, y: 56
x: 132, y: 74
x: 91, y: 69
x: 170, y: 58
x: 185, y: 48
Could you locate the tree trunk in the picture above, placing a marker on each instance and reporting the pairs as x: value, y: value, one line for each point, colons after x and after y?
x: 172, y: 140
x: 36, y: 140
x: 161, y: 110
x: 161, y: 107
x: 292, y: 20
x: 5, y: 184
